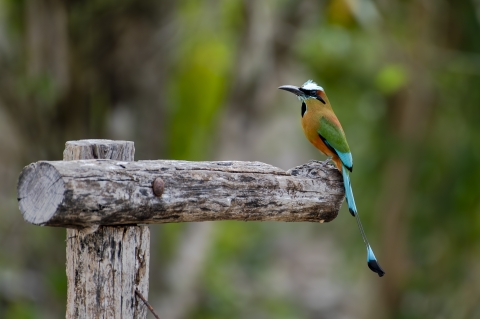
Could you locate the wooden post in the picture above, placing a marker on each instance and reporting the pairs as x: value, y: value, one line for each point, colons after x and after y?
x: 105, y: 267
x: 101, y: 195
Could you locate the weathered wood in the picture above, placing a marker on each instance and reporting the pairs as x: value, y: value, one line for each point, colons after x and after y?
x: 103, y: 270
x: 99, y: 149
x: 112, y: 192
x: 104, y: 267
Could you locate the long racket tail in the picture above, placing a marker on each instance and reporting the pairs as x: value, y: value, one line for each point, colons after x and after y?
x: 371, y: 259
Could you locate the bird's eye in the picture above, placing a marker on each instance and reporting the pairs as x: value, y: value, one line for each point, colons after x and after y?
x: 313, y: 93
x: 307, y: 92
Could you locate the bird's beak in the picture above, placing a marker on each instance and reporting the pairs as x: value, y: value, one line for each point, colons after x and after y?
x: 290, y: 88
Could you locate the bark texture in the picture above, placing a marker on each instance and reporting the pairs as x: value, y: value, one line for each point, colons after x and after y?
x: 104, y: 264
x: 111, y: 192
x: 103, y: 270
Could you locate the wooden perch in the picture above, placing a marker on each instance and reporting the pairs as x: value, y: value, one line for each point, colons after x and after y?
x: 83, y: 193
x: 98, y: 184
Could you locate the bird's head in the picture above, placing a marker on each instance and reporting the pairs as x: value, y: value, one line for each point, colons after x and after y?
x: 309, y: 90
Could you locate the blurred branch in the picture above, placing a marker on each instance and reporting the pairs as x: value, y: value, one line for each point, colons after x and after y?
x: 47, y: 42
x: 183, y: 274
x: 266, y: 43
x: 409, y: 114
x: 139, y: 294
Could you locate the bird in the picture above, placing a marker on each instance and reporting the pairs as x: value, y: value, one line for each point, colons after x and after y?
x: 323, y: 129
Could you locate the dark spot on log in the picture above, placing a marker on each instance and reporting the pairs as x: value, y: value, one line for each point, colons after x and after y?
x: 122, y: 166
x: 313, y: 214
x: 98, y: 293
x: 253, y: 204
x: 94, y: 152
x: 224, y: 163
x: 295, y: 172
x: 119, y: 249
x: 144, y: 192
x: 112, y: 247
x: 158, y: 186
x: 143, y: 214
x: 68, y: 195
x: 164, y: 169
x: 167, y: 217
x: 246, y: 179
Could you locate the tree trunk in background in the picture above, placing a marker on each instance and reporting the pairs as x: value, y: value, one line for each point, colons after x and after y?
x: 252, y: 94
x: 183, y: 275
x: 47, y: 42
x: 142, y: 62
x: 78, y: 79
x: 410, y: 114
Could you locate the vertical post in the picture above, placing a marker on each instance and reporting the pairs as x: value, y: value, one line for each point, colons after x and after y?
x: 104, y: 267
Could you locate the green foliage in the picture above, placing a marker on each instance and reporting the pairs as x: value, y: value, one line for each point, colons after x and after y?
x: 197, y: 101
x: 21, y: 310
x: 391, y: 78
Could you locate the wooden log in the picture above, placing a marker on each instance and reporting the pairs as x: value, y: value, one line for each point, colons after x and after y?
x: 113, y: 192
x: 104, y: 267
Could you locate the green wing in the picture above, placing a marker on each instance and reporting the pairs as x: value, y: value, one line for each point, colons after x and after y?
x: 334, y: 137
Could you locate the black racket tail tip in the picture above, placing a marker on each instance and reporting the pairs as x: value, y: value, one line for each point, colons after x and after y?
x: 375, y: 267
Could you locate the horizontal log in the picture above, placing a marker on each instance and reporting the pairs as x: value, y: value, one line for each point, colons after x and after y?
x: 84, y: 193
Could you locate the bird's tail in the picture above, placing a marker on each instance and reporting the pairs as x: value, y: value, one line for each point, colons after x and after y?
x: 371, y: 260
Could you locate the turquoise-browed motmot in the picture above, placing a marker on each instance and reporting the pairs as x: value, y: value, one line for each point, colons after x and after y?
x: 324, y: 131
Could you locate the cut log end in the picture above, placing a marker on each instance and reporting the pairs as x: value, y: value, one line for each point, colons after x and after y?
x: 40, y: 192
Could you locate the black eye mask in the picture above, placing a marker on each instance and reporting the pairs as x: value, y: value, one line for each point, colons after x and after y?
x: 313, y: 93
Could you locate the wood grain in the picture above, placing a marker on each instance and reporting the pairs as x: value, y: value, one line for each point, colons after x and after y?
x: 103, y: 270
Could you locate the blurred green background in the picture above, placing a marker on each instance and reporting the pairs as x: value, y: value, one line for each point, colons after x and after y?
x: 197, y: 80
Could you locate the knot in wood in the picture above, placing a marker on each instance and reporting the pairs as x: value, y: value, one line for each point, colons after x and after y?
x: 158, y: 186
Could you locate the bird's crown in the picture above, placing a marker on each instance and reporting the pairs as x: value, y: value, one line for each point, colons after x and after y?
x: 310, y: 85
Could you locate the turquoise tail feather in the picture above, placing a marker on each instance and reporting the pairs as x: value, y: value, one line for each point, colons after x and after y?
x: 371, y: 259
x: 348, y: 192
